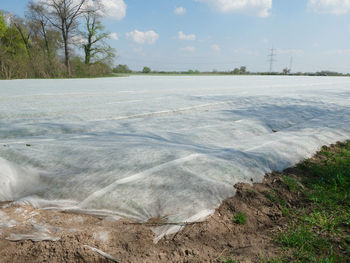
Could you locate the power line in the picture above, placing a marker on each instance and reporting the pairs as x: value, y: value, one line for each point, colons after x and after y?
x: 271, y: 57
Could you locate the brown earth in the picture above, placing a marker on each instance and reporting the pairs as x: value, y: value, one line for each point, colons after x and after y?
x: 217, y: 239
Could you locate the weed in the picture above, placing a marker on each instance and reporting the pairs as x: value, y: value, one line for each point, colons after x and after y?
x: 285, y: 210
x: 240, y: 218
x: 271, y: 196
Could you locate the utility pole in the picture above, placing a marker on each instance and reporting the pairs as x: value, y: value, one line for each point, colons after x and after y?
x: 290, y: 64
x: 271, y: 57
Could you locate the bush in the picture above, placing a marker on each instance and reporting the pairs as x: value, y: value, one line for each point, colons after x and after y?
x: 122, y: 69
x: 146, y: 70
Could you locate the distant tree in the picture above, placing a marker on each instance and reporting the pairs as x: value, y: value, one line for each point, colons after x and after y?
x: 3, y: 48
x: 243, y: 70
x: 122, y: 69
x: 30, y: 46
x: 2, y: 25
x: 25, y: 31
x: 191, y: 71
x: 146, y: 70
x: 64, y: 15
x: 13, y: 55
x: 46, y: 39
x: 95, y: 47
x: 328, y: 73
x: 236, y: 71
x: 286, y: 71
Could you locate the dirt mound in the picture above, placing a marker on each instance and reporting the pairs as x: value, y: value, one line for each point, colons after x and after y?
x: 85, y: 238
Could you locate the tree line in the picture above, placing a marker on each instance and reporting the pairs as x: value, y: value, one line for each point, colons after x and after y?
x: 47, y: 41
x: 124, y: 69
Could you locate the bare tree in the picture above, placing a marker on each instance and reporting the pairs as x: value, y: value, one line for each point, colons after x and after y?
x: 64, y: 15
x: 46, y: 37
x: 39, y: 24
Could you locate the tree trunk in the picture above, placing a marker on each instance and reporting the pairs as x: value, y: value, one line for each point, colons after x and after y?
x: 50, y: 69
x: 66, y: 57
x: 87, y: 54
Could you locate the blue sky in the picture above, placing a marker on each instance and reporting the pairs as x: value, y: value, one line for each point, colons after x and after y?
x: 219, y: 34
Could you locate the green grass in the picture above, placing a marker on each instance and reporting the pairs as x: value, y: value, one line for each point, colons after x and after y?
x: 318, y: 228
x: 306, y: 244
x: 320, y: 232
x: 271, y: 195
x: 229, y: 261
x: 285, y: 210
x: 292, y: 183
x: 273, y: 198
x: 240, y: 218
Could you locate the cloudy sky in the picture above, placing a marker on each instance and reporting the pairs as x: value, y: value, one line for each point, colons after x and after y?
x: 223, y: 34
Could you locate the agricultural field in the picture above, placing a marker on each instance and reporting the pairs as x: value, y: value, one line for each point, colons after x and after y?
x: 152, y: 147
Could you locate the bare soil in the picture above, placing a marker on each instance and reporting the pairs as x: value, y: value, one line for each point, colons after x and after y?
x: 217, y: 239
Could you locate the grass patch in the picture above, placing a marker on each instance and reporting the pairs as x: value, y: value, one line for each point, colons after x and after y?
x: 229, y: 261
x: 285, y: 210
x: 240, y: 218
x: 271, y: 195
x: 292, y: 183
x: 306, y: 244
x: 320, y: 232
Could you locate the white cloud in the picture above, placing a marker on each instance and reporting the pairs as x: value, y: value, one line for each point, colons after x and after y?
x: 335, y: 7
x: 148, y: 37
x: 188, y: 49
x: 215, y: 47
x: 114, y: 9
x: 180, y: 11
x: 189, y: 37
x: 113, y: 36
x: 259, y: 8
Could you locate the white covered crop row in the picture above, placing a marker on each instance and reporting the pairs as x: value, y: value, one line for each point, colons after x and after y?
x: 172, y: 147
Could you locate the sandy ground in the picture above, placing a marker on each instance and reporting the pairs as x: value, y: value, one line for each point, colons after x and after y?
x: 85, y: 238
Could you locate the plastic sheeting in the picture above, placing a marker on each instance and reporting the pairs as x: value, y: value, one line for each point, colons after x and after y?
x: 169, y: 147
